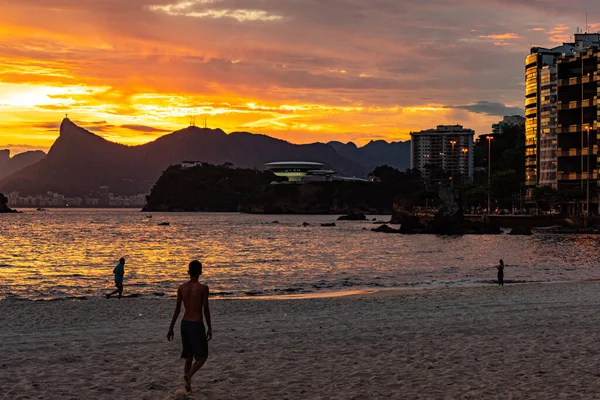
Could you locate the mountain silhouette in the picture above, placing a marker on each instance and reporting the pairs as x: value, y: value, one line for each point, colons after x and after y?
x: 79, y: 162
x: 9, y: 165
x: 376, y: 153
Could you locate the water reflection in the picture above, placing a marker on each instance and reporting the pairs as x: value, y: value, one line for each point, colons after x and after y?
x: 72, y: 253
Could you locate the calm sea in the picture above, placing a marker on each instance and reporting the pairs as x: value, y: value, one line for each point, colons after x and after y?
x: 71, y: 253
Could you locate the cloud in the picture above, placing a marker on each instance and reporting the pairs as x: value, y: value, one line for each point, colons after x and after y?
x: 559, y: 34
x: 210, y: 9
x: 489, y: 108
x: 155, y: 63
x: 144, y: 128
x: 501, y: 36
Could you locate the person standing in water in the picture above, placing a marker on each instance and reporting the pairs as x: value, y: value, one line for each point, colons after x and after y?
x: 194, y: 338
x: 119, y: 272
x: 500, y: 273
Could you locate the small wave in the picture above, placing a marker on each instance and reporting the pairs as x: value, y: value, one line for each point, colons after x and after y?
x: 67, y: 298
x: 221, y: 294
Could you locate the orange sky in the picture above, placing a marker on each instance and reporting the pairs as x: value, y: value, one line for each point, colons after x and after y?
x: 308, y: 71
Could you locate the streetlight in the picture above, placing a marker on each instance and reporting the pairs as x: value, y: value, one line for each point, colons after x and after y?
x: 489, y: 139
x: 452, y: 142
x: 587, y: 205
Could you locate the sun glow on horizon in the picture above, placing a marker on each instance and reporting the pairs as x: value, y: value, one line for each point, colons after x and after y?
x: 137, y: 70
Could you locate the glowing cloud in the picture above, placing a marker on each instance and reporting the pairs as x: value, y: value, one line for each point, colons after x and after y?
x: 199, y: 9
x: 559, y: 34
x: 502, y: 36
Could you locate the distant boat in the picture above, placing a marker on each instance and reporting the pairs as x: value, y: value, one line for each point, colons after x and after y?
x: 41, y: 209
x: 164, y: 224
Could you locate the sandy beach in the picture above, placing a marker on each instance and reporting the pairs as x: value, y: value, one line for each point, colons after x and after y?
x: 529, y: 341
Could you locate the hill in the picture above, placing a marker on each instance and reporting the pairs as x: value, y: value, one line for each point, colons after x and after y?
x: 10, y: 165
x: 376, y: 153
x: 221, y: 188
x: 79, y: 162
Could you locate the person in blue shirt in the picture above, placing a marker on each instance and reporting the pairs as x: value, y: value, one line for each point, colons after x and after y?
x: 119, y: 272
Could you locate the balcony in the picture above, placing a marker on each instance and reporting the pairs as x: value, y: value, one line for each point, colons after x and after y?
x: 574, y: 176
x: 530, y: 143
x: 576, y: 128
x: 577, y: 104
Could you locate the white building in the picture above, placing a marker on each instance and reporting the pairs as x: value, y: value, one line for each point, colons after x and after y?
x: 506, y: 123
x: 448, y: 148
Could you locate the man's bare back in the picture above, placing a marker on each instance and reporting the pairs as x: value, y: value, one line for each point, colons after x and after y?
x: 195, y: 299
x: 194, y: 337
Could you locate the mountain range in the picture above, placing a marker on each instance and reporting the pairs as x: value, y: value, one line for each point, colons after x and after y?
x: 9, y: 165
x: 376, y: 153
x: 79, y: 162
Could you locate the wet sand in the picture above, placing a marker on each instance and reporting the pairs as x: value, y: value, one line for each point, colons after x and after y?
x: 528, y: 341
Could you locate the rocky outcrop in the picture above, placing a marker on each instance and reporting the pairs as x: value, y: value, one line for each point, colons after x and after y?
x: 403, y: 215
x: 353, y: 216
x: 385, y: 229
x: 4, y: 205
x: 448, y: 220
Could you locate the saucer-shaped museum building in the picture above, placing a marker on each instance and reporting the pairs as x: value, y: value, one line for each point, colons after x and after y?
x: 297, y: 171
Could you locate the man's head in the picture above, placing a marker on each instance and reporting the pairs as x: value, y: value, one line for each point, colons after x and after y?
x: 501, y: 262
x: 122, y: 261
x: 195, y: 269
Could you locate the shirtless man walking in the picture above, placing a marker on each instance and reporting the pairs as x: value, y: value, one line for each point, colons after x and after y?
x: 194, y: 338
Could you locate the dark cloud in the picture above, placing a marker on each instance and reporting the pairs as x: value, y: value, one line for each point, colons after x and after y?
x: 144, y: 128
x: 50, y: 126
x: 490, y: 108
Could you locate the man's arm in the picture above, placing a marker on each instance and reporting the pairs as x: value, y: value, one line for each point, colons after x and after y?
x: 170, y: 334
x: 207, y: 316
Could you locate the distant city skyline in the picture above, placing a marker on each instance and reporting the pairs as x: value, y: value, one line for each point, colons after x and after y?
x: 318, y: 71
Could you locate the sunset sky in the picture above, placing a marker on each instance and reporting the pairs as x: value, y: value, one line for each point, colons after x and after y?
x: 300, y: 70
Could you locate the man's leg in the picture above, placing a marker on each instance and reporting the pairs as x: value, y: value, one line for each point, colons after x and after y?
x: 197, y: 365
x: 112, y: 294
x: 120, y: 290
x: 187, y: 367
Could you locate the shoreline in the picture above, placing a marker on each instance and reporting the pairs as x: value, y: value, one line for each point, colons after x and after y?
x: 334, y: 294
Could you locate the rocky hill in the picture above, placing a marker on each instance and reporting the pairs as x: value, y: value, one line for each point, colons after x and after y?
x: 10, y: 165
x: 376, y: 153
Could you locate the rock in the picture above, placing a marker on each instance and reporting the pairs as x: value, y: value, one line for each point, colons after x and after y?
x: 401, y: 209
x: 353, y: 216
x: 521, y: 230
x: 275, y: 222
x: 328, y: 224
x: 385, y: 229
x: 4, y: 205
x: 305, y: 224
x: 374, y: 219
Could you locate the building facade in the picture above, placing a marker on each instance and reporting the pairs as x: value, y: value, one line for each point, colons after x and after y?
x: 561, y: 112
x: 447, y: 148
x: 577, y: 161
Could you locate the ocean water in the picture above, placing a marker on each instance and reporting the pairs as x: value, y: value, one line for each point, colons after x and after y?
x: 71, y: 253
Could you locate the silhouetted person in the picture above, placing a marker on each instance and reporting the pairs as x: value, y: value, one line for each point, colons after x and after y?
x: 119, y: 272
x: 194, y: 338
x: 500, y: 273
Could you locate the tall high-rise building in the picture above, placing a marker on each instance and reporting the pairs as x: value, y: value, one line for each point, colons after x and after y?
x: 540, y: 62
x: 577, y: 162
x: 561, y: 95
x: 447, y: 148
x: 542, y: 114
